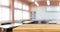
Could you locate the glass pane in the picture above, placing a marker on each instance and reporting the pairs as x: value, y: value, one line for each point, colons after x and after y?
x: 5, y: 14
x: 0, y: 13
x: 5, y: 2
x: 18, y: 5
x: 15, y: 4
x: 25, y: 7
x: 26, y: 15
x: 18, y: 14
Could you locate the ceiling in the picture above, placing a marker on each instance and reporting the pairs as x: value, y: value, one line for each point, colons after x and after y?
x: 40, y: 0
x: 43, y: 2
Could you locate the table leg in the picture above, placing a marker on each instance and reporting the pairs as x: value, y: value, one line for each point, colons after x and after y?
x: 0, y: 29
x: 3, y: 30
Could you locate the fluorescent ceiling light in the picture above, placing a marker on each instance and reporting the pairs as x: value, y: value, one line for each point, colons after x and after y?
x: 36, y: 3
x: 59, y: 4
x: 48, y: 2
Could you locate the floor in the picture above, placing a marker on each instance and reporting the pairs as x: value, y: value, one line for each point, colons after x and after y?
x: 9, y: 30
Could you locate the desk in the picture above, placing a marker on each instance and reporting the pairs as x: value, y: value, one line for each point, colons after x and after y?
x: 9, y: 26
x: 38, y: 28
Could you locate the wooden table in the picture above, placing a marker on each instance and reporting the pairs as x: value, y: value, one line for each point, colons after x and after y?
x: 38, y: 28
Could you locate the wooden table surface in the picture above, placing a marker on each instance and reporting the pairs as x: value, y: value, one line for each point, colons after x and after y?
x: 38, y: 28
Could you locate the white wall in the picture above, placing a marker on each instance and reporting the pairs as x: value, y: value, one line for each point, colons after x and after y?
x: 43, y: 14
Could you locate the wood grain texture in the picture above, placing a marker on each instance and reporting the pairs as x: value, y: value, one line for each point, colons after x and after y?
x: 38, y: 28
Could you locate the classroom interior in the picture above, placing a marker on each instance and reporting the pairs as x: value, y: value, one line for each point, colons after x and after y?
x: 29, y: 15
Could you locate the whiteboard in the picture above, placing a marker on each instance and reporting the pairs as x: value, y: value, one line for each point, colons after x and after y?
x: 53, y: 8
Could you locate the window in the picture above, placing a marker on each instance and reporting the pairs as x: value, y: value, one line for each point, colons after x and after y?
x: 0, y: 13
x: 26, y: 15
x: 5, y: 14
x: 25, y: 7
x: 18, y: 5
x: 18, y: 10
x: 18, y: 14
x: 21, y: 15
x: 4, y: 11
x: 5, y: 2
